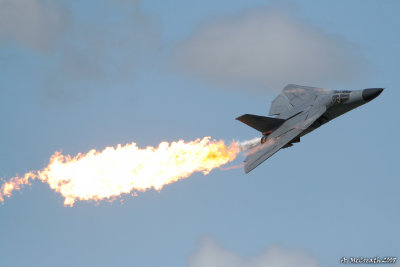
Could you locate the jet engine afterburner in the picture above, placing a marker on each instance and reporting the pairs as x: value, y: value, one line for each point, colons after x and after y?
x: 264, y: 139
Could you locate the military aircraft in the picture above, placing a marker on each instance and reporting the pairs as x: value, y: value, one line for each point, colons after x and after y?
x: 297, y: 111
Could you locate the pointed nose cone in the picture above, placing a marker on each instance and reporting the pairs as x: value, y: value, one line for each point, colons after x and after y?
x: 369, y: 94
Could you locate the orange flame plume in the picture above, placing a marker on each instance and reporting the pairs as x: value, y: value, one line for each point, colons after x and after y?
x: 125, y: 169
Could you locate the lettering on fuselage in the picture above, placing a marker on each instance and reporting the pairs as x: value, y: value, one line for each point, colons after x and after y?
x: 340, y: 97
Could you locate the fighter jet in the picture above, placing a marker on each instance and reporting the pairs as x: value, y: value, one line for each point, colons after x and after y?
x: 297, y: 111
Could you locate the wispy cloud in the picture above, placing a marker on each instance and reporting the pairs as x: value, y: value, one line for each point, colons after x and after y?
x: 210, y: 254
x: 35, y: 23
x: 106, y: 50
x: 81, y: 52
x: 267, y: 48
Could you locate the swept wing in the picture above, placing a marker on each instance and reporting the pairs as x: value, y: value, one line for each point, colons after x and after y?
x: 294, y: 97
x: 282, y: 136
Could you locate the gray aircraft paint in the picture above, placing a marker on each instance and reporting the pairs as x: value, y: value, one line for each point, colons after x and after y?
x: 299, y: 110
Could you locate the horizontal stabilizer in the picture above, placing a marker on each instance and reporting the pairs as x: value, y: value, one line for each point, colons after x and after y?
x: 260, y: 123
x: 282, y: 137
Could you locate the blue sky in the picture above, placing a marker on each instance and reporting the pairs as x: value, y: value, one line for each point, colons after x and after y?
x: 82, y: 75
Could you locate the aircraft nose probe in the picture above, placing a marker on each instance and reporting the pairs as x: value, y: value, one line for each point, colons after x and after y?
x: 371, y: 93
